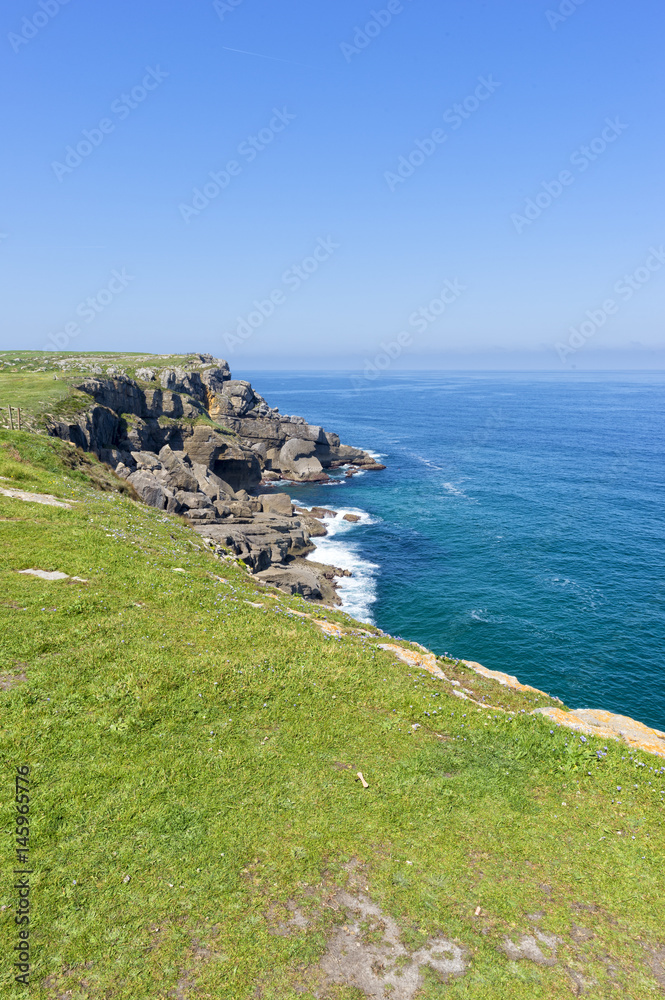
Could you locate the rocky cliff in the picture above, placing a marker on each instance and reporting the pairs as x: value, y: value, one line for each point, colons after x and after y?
x: 193, y: 441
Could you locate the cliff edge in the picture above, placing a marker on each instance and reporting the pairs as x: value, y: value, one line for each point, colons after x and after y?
x: 191, y: 440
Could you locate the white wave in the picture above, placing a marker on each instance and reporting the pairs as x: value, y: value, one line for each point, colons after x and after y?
x: 455, y: 490
x: 430, y: 465
x: 357, y: 592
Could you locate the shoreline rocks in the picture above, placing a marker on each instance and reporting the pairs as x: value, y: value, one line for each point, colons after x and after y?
x: 195, y: 442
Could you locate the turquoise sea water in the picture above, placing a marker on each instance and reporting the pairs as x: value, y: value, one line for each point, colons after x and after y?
x: 519, y: 521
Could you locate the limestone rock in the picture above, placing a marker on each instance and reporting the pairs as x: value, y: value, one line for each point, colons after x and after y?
x: 233, y: 398
x: 177, y: 475
x: 297, y: 458
x: 190, y: 439
x: 148, y: 488
x: 293, y: 581
x: 210, y: 484
x: 193, y: 500
x: 277, y: 503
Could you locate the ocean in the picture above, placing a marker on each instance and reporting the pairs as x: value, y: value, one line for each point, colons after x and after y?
x: 519, y: 521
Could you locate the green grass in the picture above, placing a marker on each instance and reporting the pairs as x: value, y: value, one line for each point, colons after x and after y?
x: 207, y: 749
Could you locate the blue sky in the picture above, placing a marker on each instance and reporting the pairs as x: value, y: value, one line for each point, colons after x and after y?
x: 535, y: 198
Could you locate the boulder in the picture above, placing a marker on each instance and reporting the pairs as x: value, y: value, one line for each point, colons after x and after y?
x: 276, y: 503
x: 234, y: 398
x: 205, y: 514
x: 178, y: 475
x: 351, y: 517
x: 193, y: 501
x: 297, y: 459
x: 315, y: 527
x: 146, y: 460
x: 322, y: 512
x: 148, y: 488
x: 210, y: 484
x: 293, y: 581
x: 239, y: 509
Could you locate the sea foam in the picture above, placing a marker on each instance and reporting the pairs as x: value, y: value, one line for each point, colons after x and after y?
x: 337, y: 548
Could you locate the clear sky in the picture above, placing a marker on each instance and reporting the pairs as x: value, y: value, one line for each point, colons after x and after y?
x: 478, y: 178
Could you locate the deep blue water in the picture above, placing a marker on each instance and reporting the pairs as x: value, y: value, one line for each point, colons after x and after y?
x: 519, y: 521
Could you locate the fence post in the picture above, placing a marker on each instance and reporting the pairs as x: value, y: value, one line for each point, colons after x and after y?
x: 19, y: 417
x: 11, y: 419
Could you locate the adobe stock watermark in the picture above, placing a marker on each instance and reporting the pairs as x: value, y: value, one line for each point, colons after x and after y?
x: 378, y: 22
x: 454, y: 116
x: 582, y: 159
x: 419, y: 320
x: 292, y: 279
x: 625, y: 288
x: 31, y: 26
x: 121, y: 108
x: 224, y: 7
x: 248, y: 149
x: 565, y: 10
x: 89, y: 309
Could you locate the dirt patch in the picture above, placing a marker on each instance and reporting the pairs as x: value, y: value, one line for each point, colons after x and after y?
x: 529, y: 948
x: 286, y: 920
x: 580, y: 934
x: 197, y: 955
x: 579, y: 984
x: 9, y: 681
x: 657, y: 964
x: 64, y: 979
x: 367, y: 953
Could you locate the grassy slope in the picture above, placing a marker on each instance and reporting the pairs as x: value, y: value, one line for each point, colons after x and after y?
x: 185, y: 738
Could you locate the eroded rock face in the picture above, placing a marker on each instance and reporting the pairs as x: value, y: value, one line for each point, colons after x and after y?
x: 298, y: 459
x: 193, y: 441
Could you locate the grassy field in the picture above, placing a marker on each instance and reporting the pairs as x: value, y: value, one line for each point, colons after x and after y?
x: 194, y: 741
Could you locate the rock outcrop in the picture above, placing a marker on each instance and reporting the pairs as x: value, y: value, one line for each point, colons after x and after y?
x: 193, y: 441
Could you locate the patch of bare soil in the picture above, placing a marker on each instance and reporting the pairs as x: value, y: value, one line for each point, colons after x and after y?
x: 367, y: 953
x: 657, y: 964
x: 9, y: 681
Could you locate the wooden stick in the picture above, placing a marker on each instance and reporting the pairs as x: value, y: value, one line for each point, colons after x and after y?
x: 19, y: 417
x: 11, y: 419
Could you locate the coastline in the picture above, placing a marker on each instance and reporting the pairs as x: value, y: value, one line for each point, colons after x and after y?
x: 583, y: 721
x: 193, y: 442
x: 339, y: 595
